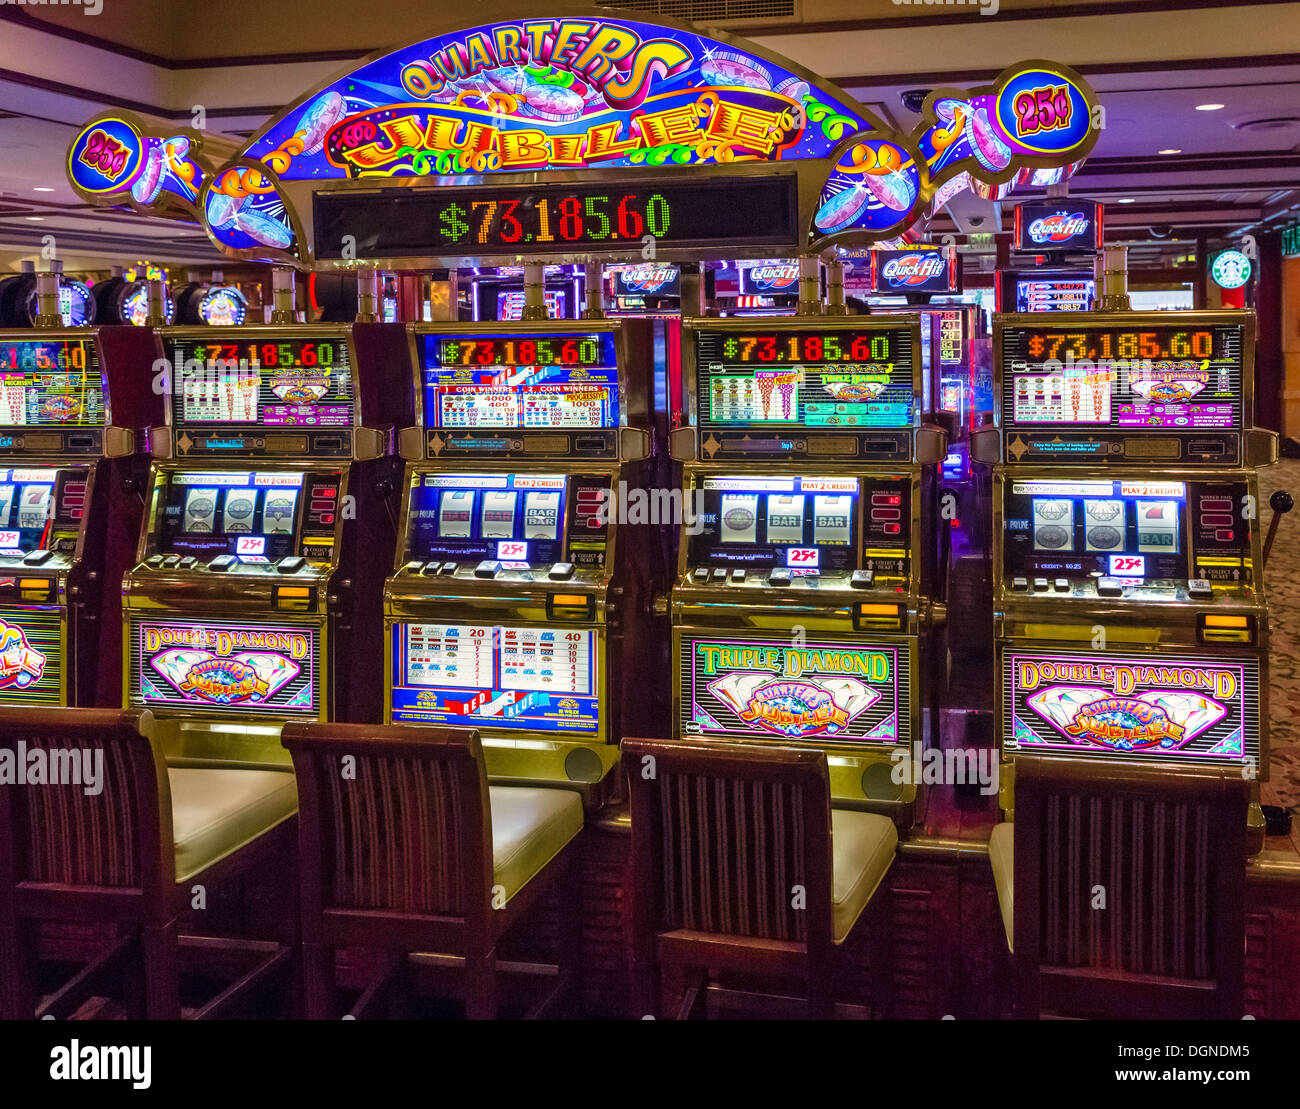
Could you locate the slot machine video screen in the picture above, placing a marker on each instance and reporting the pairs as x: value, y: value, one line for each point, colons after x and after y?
x: 809, y: 525
x: 1122, y: 529
x: 520, y: 380
x: 487, y: 676
x: 50, y: 383
x: 851, y: 378
x: 517, y: 519
x: 277, y: 381
x: 1140, y: 379
x: 258, y: 516
x: 41, y: 509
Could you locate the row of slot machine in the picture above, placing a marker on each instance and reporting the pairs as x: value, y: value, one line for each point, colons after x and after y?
x: 491, y: 525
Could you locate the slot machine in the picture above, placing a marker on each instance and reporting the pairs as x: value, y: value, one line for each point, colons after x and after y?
x: 257, y: 590
x: 72, y: 403
x: 1130, y: 615
x: 803, y: 602
x: 517, y: 594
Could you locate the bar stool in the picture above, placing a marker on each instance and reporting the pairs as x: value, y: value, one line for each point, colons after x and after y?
x: 128, y: 855
x: 739, y: 862
x: 1122, y: 889
x: 404, y: 847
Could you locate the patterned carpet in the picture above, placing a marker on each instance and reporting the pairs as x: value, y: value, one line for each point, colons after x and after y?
x: 1283, y: 584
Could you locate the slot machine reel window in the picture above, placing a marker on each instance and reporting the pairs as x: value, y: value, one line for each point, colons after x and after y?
x: 531, y: 382
x: 808, y: 525
x: 505, y: 517
x: 1160, y: 378
x: 816, y: 380
x: 50, y: 383
x: 255, y: 516
x: 272, y: 381
x: 40, y: 510
x: 1127, y: 530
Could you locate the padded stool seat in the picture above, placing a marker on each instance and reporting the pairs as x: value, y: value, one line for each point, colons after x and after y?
x: 530, y: 826
x: 1001, y: 853
x: 862, y: 847
x: 216, y: 812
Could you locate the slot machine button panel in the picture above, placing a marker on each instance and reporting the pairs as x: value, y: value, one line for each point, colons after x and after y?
x: 780, y: 577
x: 862, y: 579
x: 414, y: 566
x: 431, y: 568
x: 1199, y: 589
x: 187, y: 561
x: 154, y: 561
x: 737, y: 577
x: 171, y: 561
x: 1109, y: 587
x: 487, y: 569
x: 700, y: 575
x: 291, y: 564
x: 36, y: 558
x: 449, y: 568
x: 222, y: 563
x: 719, y: 574
x: 1061, y: 585
x: 1020, y: 585
x: 561, y: 571
x: 1040, y: 585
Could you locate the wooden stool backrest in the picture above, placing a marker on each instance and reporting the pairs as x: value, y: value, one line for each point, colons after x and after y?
x: 1129, y: 888
x: 62, y: 848
x: 394, y: 824
x: 731, y: 839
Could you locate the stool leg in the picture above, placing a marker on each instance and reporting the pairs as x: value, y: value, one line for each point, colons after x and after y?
x: 317, y: 981
x: 481, y: 986
x: 17, y: 996
x: 162, y: 976
x: 571, y: 917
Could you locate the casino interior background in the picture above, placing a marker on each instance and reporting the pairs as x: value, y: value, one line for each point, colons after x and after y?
x: 412, y: 531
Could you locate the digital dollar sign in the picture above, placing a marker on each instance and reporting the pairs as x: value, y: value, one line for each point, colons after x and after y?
x: 1035, y: 346
x: 453, y: 222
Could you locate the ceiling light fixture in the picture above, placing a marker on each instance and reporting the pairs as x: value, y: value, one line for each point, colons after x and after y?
x: 1126, y: 200
x: 1171, y: 150
x: 42, y: 189
x: 36, y: 219
x: 1208, y: 107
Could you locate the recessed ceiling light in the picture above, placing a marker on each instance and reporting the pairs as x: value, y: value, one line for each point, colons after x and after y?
x: 36, y: 219
x: 1208, y: 107
x: 42, y: 189
x: 1171, y: 150
x: 1126, y: 200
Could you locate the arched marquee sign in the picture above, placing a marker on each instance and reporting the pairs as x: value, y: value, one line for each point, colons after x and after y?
x: 568, y: 135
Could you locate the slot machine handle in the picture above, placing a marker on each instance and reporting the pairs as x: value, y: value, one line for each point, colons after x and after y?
x: 1281, y: 503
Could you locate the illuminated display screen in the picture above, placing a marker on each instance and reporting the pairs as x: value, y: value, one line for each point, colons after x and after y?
x: 135, y: 305
x: 1163, y: 378
x: 51, y: 383
x: 1168, y: 706
x: 1054, y: 294
x: 1071, y: 529
x: 511, y: 518
x: 809, y: 525
x: 510, y: 304
x: 536, y: 678
x: 226, y: 667
x: 589, y: 218
x: 280, y: 381
x: 758, y: 688
x: 223, y: 306
x: 41, y: 510
x: 520, y: 381
x: 255, y: 515
x: 31, y: 657
x: 830, y: 379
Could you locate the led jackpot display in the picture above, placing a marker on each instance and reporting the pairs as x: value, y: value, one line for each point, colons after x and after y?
x: 515, y: 220
x: 767, y: 689
x: 520, y: 381
x: 828, y: 379
x: 284, y: 381
x: 50, y: 383
x: 536, y: 678
x: 1159, y: 378
x: 1184, y: 707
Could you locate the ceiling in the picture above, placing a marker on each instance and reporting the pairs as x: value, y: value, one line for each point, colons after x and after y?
x: 1151, y: 62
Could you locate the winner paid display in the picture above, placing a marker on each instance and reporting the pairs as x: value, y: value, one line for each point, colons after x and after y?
x: 1129, y: 607
x: 250, y: 598
x: 802, y: 603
